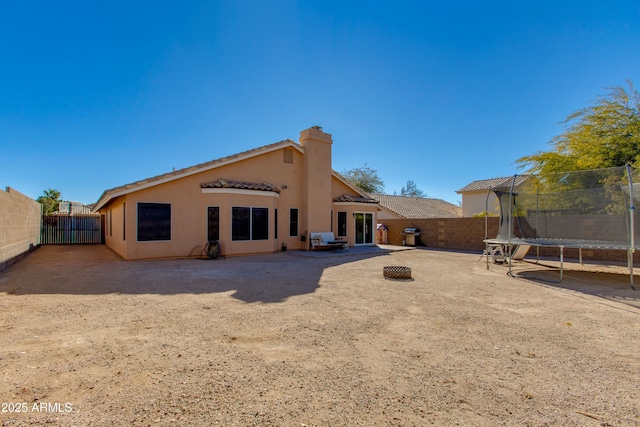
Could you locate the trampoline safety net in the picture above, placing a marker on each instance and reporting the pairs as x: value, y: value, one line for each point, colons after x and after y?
x: 593, y: 208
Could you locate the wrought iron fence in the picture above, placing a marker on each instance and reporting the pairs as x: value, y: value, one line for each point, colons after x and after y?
x: 70, y: 229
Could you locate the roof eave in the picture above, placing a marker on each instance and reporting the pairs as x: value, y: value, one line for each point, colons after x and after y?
x: 107, y: 196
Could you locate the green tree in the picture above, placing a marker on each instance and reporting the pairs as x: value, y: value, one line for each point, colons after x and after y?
x: 365, y: 178
x: 412, y: 190
x: 49, y: 200
x: 604, y: 134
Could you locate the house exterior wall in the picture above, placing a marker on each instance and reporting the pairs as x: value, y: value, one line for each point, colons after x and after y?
x: 338, y: 188
x: 305, y: 182
x: 114, y: 226
x: 189, y: 203
x: 351, y: 209
x: 317, y: 181
x: 475, y: 202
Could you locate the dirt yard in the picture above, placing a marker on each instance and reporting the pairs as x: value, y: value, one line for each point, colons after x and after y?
x: 292, y: 340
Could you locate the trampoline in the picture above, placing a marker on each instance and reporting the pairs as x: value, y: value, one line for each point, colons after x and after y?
x: 593, y: 209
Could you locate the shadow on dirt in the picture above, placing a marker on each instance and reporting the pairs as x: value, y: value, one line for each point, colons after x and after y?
x: 93, y: 269
x: 613, y: 285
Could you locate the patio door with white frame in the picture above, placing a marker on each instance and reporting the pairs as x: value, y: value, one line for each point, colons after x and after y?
x: 364, y: 228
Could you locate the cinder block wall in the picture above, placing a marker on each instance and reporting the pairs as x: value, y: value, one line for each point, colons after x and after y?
x: 467, y: 234
x: 20, y: 219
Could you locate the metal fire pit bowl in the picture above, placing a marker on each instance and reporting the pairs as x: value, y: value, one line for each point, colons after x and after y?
x: 395, y: 272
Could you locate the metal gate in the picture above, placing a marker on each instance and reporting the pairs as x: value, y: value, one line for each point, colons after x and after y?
x: 70, y: 229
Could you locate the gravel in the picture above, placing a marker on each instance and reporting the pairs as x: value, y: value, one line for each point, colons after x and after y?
x: 294, y: 340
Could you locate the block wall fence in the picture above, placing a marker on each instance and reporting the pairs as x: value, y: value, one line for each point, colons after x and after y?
x: 20, y: 222
x: 467, y: 234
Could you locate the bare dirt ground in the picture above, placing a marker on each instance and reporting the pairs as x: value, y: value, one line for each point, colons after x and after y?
x: 291, y: 340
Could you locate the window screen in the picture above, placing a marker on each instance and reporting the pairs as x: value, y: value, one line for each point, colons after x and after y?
x: 342, y: 224
x: 213, y: 223
x: 293, y: 222
x: 275, y: 223
x: 259, y: 223
x: 154, y: 221
x: 249, y: 223
x: 240, y: 223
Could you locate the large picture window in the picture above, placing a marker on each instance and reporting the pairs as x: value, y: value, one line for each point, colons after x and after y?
x: 249, y: 223
x: 154, y: 221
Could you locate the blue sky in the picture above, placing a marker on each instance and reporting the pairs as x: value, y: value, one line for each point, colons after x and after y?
x: 95, y: 94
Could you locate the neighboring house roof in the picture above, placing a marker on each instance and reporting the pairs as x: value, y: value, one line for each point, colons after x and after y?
x: 418, y: 207
x: 72, y: 208
x: 486, y: 184
x: 112, y: 193
x: 240, y: 185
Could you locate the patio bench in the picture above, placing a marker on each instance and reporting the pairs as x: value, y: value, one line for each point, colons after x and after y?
x: 326, y: 240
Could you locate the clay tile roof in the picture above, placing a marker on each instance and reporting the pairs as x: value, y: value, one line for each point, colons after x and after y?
x: 486, y: 184
x: 418, y: 207
x: 241, y: 185
x: 107, y: 195
x: 354, y: 199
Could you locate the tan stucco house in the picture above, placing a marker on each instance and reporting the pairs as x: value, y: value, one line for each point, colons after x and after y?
x: 478, y: 197
x: 257, y: 201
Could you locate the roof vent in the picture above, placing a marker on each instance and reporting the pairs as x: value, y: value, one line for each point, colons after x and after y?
x: 317, y: 128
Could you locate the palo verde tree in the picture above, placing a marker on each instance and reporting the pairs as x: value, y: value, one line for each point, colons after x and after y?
x: 604, y: 134
x: 365, y: 178
x: 50, y: 200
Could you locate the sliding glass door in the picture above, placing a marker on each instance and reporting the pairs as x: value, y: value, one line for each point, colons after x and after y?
x: 364, y: 228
